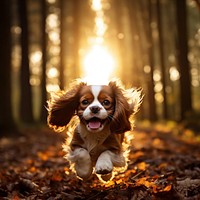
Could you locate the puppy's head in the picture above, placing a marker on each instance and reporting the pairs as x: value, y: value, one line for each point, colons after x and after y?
x: 97, y: 106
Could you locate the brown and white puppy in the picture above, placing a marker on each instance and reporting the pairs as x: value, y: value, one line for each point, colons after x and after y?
x: 104, y: 116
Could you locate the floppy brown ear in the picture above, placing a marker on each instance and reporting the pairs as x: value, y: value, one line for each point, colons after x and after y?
x: 120, y: 122
x: 62, y: 107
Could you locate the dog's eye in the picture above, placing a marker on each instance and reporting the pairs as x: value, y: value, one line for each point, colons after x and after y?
x: 106, y: 103
x: 85, y: 102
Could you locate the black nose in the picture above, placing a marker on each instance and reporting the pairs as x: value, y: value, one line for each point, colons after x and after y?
x: 95, y: 109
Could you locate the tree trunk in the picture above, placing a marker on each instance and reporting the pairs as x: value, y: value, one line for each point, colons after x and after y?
x: 76, y: 30
x: 62, y: 43
x: 26, y: 112
x: 150, y: 81
x: 7, y: 125
x: 136, y: 42
x: 162, y: 62
x: 182, y: 50
x: 43, y: 111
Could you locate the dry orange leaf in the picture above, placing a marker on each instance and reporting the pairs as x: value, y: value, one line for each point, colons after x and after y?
x: 142, y: 166
x: 143, y: 181
x: 16, y: 197
x: 136, y: 155
x: 167, y: 188
x: 32, y: 169
x: 42, y: 156
x: 162, y: 165
x: 56, y: 177
x: 155, y: 189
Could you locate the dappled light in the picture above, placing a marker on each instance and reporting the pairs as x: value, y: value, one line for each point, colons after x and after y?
x: 174, y: 73
x: 52, y: 72
x: 94, y: 44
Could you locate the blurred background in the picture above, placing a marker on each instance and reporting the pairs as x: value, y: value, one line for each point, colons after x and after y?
x: 148, y: 44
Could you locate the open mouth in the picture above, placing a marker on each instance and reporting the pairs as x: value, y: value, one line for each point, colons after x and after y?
x: 95, y: 123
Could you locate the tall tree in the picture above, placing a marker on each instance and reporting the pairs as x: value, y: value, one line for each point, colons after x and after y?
x: 6, y: 119
x: 136, y: 41
x: 150, y: 80
x: 43, y: 111
x: 182, y: 50
x: 162, y: 62
x: 26, y: 111
x: 62, y: 42
x: 76, y: 31
x: 117, y: 5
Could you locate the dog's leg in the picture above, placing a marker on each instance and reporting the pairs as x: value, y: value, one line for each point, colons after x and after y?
x: 82, y: 163
x: 107, y: 160
x: 104, y: 163
x: 118, y: 160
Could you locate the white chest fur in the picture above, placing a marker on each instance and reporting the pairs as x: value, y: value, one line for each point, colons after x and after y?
x: 93, y: 139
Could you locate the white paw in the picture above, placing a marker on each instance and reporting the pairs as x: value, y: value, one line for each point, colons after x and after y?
x: 82, y: 163
x: 84, y: 171
x: 103, y: 165
x: 78, y: 154
x: 104, y: 168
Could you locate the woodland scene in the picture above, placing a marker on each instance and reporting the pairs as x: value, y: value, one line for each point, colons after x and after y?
x: 152, y: 45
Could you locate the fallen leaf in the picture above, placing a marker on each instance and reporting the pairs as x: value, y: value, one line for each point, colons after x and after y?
x: 167, y: 188
x: 142, y: 166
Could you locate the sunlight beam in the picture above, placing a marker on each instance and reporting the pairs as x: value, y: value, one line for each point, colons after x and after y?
x: 98, y: 65
x: 98, y: 62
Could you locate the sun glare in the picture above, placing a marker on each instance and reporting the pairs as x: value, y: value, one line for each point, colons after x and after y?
x: 98, y: 65
x: 96, y: 5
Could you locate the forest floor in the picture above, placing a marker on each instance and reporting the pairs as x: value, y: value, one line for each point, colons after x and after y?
x: 164, y: 164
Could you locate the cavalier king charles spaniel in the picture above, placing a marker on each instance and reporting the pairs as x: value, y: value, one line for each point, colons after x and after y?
x: 96, y: 139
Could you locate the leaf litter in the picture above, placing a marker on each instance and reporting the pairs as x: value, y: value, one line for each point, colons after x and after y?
x: 162, y: 166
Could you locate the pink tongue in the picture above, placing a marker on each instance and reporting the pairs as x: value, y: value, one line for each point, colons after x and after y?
x: 94, y: 124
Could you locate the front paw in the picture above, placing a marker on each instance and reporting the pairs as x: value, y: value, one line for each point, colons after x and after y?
x: 82, y: 163
x: 84, y: 171
x: 104, y: 167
